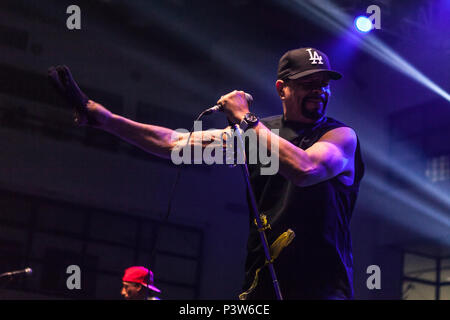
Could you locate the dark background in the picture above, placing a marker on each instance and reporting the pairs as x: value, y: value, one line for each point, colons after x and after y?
x: 78, y: 196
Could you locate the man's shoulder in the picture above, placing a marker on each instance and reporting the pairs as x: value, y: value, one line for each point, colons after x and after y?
x: 277, y: 120
x: 329, y: 121
x: 330, y: 124
x: 272, y: 121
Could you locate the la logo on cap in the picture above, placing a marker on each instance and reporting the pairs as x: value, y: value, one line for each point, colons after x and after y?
x: 315, y: 58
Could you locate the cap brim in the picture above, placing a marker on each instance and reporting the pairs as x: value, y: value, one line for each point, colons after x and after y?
x: 333, y: 74
x: 153, y: 288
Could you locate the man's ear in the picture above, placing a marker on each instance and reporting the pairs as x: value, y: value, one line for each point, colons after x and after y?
x: 280, y: 85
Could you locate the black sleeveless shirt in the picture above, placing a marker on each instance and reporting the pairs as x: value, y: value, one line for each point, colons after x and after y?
x: 318, y: 264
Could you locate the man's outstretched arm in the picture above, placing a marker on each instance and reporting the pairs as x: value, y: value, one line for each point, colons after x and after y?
x: 157, y: 140
x: 153, y: 139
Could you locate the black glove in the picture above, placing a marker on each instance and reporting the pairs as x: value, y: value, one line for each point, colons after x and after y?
x: 62, y: 80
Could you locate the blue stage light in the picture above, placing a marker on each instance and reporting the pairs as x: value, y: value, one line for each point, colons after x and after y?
x: 363, y: 24
x: 326, y: 13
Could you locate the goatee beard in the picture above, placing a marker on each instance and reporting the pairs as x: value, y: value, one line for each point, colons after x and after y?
x: 312, y: 115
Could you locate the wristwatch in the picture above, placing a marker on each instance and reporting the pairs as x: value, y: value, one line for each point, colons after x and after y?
x: 249, y: 121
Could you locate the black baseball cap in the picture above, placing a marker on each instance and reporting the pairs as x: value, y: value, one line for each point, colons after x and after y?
x: 302, y: 62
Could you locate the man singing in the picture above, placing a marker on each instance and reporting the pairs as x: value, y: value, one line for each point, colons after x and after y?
x: 313, y: 194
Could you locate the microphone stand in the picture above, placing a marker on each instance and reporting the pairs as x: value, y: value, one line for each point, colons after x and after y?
x: 259, y: 223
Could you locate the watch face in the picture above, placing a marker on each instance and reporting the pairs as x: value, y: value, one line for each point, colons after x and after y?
x: 250, y: 117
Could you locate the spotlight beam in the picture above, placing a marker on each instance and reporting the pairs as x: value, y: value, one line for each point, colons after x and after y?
x: 197, y: 36
x: 437, y: 195
x: 327, y: 14
x: 430, y: 223
x: 340, y: 22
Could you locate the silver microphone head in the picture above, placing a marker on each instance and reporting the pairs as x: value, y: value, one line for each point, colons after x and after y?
x: 249, y: 98
x: 219, y: 107
x: 28, y: 271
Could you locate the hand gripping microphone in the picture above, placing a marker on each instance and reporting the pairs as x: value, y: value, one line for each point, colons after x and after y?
x: 219, y: 107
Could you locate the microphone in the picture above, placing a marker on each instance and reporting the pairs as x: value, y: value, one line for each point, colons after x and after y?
x: 219, y: 107
x: 27, y: 271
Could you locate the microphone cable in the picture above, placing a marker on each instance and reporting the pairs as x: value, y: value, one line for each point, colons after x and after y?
x: 164, y: 218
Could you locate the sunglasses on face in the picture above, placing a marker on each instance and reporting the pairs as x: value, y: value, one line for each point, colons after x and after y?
x: 309, y: 84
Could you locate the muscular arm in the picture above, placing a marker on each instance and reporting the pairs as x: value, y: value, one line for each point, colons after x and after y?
x: 157, y: 140
x: 150, y: 138
x: 329, y: 157
x: 325, y: 159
